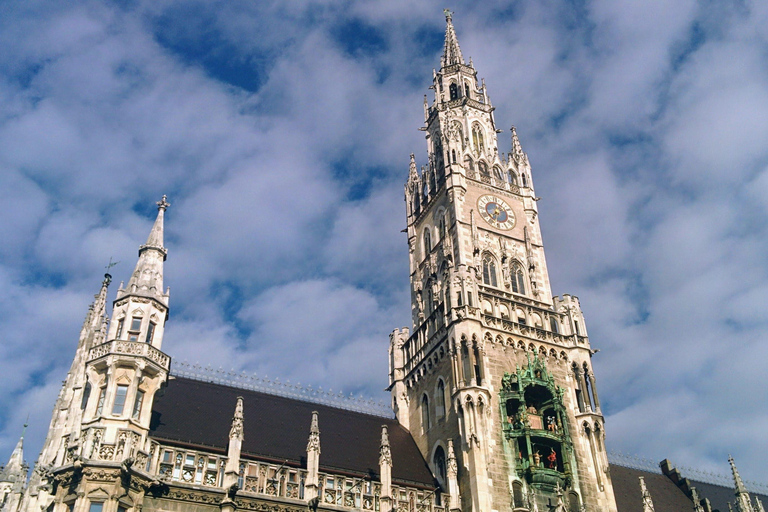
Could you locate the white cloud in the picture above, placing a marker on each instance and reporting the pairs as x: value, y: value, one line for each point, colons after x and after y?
x: 284, y: 230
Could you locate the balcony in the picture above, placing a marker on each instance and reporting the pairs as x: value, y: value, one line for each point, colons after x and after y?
x: 131, y: 348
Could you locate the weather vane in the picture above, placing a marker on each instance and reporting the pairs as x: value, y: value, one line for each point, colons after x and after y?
x: 111, y: 264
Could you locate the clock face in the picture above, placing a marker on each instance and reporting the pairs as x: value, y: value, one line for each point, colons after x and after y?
x: 496, y: 212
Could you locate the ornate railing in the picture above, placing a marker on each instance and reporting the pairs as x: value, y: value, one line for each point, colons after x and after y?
x: 643, y: 464
x: 277, y: 387
x: 133, y: 348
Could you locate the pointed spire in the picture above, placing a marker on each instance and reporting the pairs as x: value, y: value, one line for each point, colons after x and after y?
x: 313, y: 445
x: 739, y: 484
x: 451, y: 52
x: 413, y: 174
x: 647, y: 501
x: 148, y: 274
x: 16, y: 463
x: 155, y: 239
x: 236, y: 432
x: 517, y: 150
x: 743, y: 501
x: 96, y: 318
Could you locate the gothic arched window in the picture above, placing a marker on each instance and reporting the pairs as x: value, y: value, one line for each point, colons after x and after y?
x: 439, y: 462
x: 453, y: 156
x: 483, y: 168
x: 512, y: 178
x: 453, y: 90
x: 553, y: 325
x: 489, y: 270
x: 440, y: 400
x: 466, y: 90
x: 518, y: 279
x: 425, y: 413
x: 427, y: 243
x: 525, y: 179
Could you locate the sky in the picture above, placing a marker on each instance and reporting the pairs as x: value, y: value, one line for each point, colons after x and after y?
x: 280, y: 132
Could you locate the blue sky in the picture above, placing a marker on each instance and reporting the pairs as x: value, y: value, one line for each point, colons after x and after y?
x: 281, y: 133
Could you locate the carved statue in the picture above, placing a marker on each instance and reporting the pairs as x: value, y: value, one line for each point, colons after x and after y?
x: 537, y: 458
x: 552, y: 459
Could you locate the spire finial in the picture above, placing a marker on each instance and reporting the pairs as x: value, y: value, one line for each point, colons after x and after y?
x: 451, y: 52
x: 163, y: 203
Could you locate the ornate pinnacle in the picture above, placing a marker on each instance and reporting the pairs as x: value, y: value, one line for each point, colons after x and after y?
x: 412, y: 173
x: 517, y: 150
x: 236, y: 432
x: 696, y: 500
x: 647, y: 501
x: 452, y: 468
x: 736, y: 477
x: 313, y: 445
x: 385, y: 454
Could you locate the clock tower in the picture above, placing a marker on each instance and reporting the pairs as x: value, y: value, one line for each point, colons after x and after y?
x: 495, y: 380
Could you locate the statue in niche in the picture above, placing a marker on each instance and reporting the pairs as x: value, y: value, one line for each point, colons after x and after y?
x: 552, y: 459
x: 537, y: 458
x: 551, y: 424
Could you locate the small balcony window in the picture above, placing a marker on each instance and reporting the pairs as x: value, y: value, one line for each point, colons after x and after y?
x: 133, y: 333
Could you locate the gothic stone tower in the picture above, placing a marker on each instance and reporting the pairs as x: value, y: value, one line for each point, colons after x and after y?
x: 495, y: 382
x: 100, y: 423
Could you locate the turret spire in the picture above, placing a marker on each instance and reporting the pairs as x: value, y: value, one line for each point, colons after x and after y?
x: 451, y: 52
x: 16, y: 462
x: 148, y: 274
x: 743, y: 502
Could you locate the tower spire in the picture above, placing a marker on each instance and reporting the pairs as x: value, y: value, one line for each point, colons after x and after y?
x: 743, y: 501
x: 451, y: 51
x: 147, y: 277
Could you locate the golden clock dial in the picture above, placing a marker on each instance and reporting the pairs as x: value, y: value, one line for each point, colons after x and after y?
x: 496, y: 212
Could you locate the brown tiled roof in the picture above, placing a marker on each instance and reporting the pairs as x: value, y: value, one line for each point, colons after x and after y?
x: 199, y: 414
x: 666, y: 496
